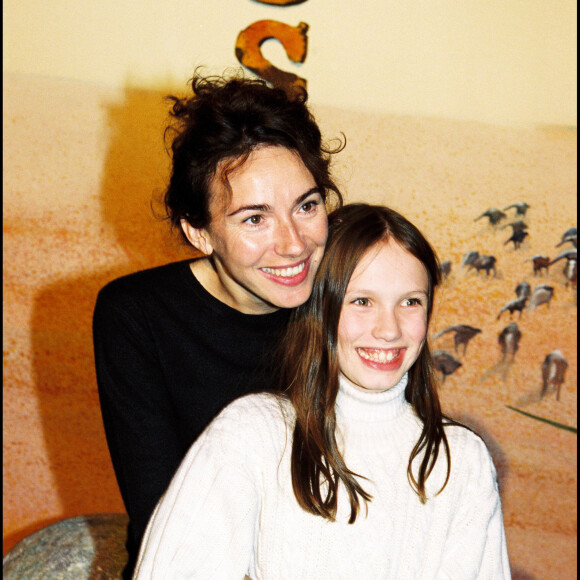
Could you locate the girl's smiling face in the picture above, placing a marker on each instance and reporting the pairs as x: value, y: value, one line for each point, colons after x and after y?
x: 383, y: 321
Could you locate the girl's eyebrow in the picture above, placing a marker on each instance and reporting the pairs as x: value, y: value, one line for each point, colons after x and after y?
x: 263, y: 207
x: 366, y: 291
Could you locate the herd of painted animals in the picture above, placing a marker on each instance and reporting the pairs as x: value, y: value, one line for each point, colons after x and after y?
x: 553, y: 365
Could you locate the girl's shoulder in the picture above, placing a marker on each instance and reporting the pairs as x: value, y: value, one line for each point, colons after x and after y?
x: 257, y: 415
x: 461, y: 435
x: 469, y: 451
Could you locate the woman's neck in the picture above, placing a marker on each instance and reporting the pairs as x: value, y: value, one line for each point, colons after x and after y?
x: 217, y: 282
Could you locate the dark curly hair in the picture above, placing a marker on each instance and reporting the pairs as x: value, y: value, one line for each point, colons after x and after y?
x: 225, y: 120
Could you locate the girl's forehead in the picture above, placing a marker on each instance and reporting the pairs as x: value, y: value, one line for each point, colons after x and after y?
x: 377, y: 255
x: 389, y: 262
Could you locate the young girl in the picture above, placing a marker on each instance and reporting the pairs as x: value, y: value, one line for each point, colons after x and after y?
x: 354, y: 472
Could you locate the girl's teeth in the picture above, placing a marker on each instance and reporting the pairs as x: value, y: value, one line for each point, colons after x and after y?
x: 379, y: 356
x: 286, y: 272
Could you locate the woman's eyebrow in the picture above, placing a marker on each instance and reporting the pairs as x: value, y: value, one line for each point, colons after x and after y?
x: 257, y: 207
x: 306, y: 195
x: 265, y: 207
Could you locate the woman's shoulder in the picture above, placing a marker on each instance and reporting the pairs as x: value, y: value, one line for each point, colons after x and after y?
x: 161, y: 289
x: 142, y: 280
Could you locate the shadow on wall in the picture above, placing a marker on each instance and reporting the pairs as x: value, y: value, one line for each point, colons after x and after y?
x: 498, y: 455
x: 136, y: 173
x: 136, y: 168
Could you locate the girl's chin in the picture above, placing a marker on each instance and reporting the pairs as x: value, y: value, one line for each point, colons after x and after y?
x: 386, y: 367
x: 376, y: 386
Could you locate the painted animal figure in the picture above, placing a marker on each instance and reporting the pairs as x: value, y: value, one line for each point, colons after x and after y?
x: 493, y: 214
x: 568, y: 255
x: 445, y: 363
x: 539, y: 263
x: 463, y: 334
x: 479, y: 262
x: 509, y: 340
x: 517, y: 225
x: 542, y: 294
x: 571, y: 267
x: 570, y: 235
x: 520, y: 207
x: 553, y: 371
x: 517, y: 304
x: 469, y: 258
x: 484, y: 262
x: 571, y: 273
x: 445, y: 269
x: 523, y: 289
x: 517, y: 238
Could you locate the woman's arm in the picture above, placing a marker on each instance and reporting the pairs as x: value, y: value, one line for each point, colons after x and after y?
x: 139, y: 422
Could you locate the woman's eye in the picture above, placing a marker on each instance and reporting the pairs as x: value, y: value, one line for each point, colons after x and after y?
x: 254, y: 220
x: 361, y: 301
x: 309, y: 206
x: 412, y: 302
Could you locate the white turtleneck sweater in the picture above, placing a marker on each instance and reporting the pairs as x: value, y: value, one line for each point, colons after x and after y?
x: 230, y: 509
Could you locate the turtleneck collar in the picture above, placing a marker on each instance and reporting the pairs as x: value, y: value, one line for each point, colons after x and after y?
x: 355, y: 404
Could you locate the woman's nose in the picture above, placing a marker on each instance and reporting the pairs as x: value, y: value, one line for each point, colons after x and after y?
x: 289, y: 240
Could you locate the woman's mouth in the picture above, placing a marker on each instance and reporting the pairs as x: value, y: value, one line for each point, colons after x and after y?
x: 289, y: 275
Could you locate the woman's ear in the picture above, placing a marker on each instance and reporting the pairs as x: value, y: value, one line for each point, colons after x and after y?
x: 198, y: 237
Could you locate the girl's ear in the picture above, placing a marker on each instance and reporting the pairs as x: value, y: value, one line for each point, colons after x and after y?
x: 198, y: 237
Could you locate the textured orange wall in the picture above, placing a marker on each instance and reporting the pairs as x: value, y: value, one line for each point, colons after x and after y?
x: 80, y: 167
x: 81, y: 163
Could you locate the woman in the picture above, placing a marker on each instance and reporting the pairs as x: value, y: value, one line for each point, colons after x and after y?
x: 175, y: 344
x: 355, y: 472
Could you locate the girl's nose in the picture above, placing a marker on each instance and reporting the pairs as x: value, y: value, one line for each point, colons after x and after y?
x: 386, y: 326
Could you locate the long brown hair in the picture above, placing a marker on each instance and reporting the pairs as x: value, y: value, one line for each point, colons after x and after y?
x: 310, y: 377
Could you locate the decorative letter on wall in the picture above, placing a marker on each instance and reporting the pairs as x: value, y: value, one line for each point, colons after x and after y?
x: 281, y: 2
x: 293, y: 39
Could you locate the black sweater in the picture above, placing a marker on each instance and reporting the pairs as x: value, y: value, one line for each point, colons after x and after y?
x: 169, y: 356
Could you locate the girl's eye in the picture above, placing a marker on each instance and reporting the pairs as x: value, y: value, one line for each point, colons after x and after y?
x: 254, y: 220
x: 412, y: 302
x: 361, y: 301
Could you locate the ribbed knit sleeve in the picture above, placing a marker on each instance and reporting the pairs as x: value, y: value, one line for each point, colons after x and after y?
x: 205, y: 525
x: 475, y: 547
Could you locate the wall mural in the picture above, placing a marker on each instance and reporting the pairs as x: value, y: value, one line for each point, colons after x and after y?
x: 526, y: 298
x: 554, y: 365
x: 498, y: 203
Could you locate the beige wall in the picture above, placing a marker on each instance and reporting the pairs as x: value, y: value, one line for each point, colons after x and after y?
x: 83, y: 155
x: 507, y: 61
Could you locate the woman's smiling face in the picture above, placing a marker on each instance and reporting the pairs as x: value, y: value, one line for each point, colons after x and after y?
x: 267, y: 236
x: 383, y: 321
